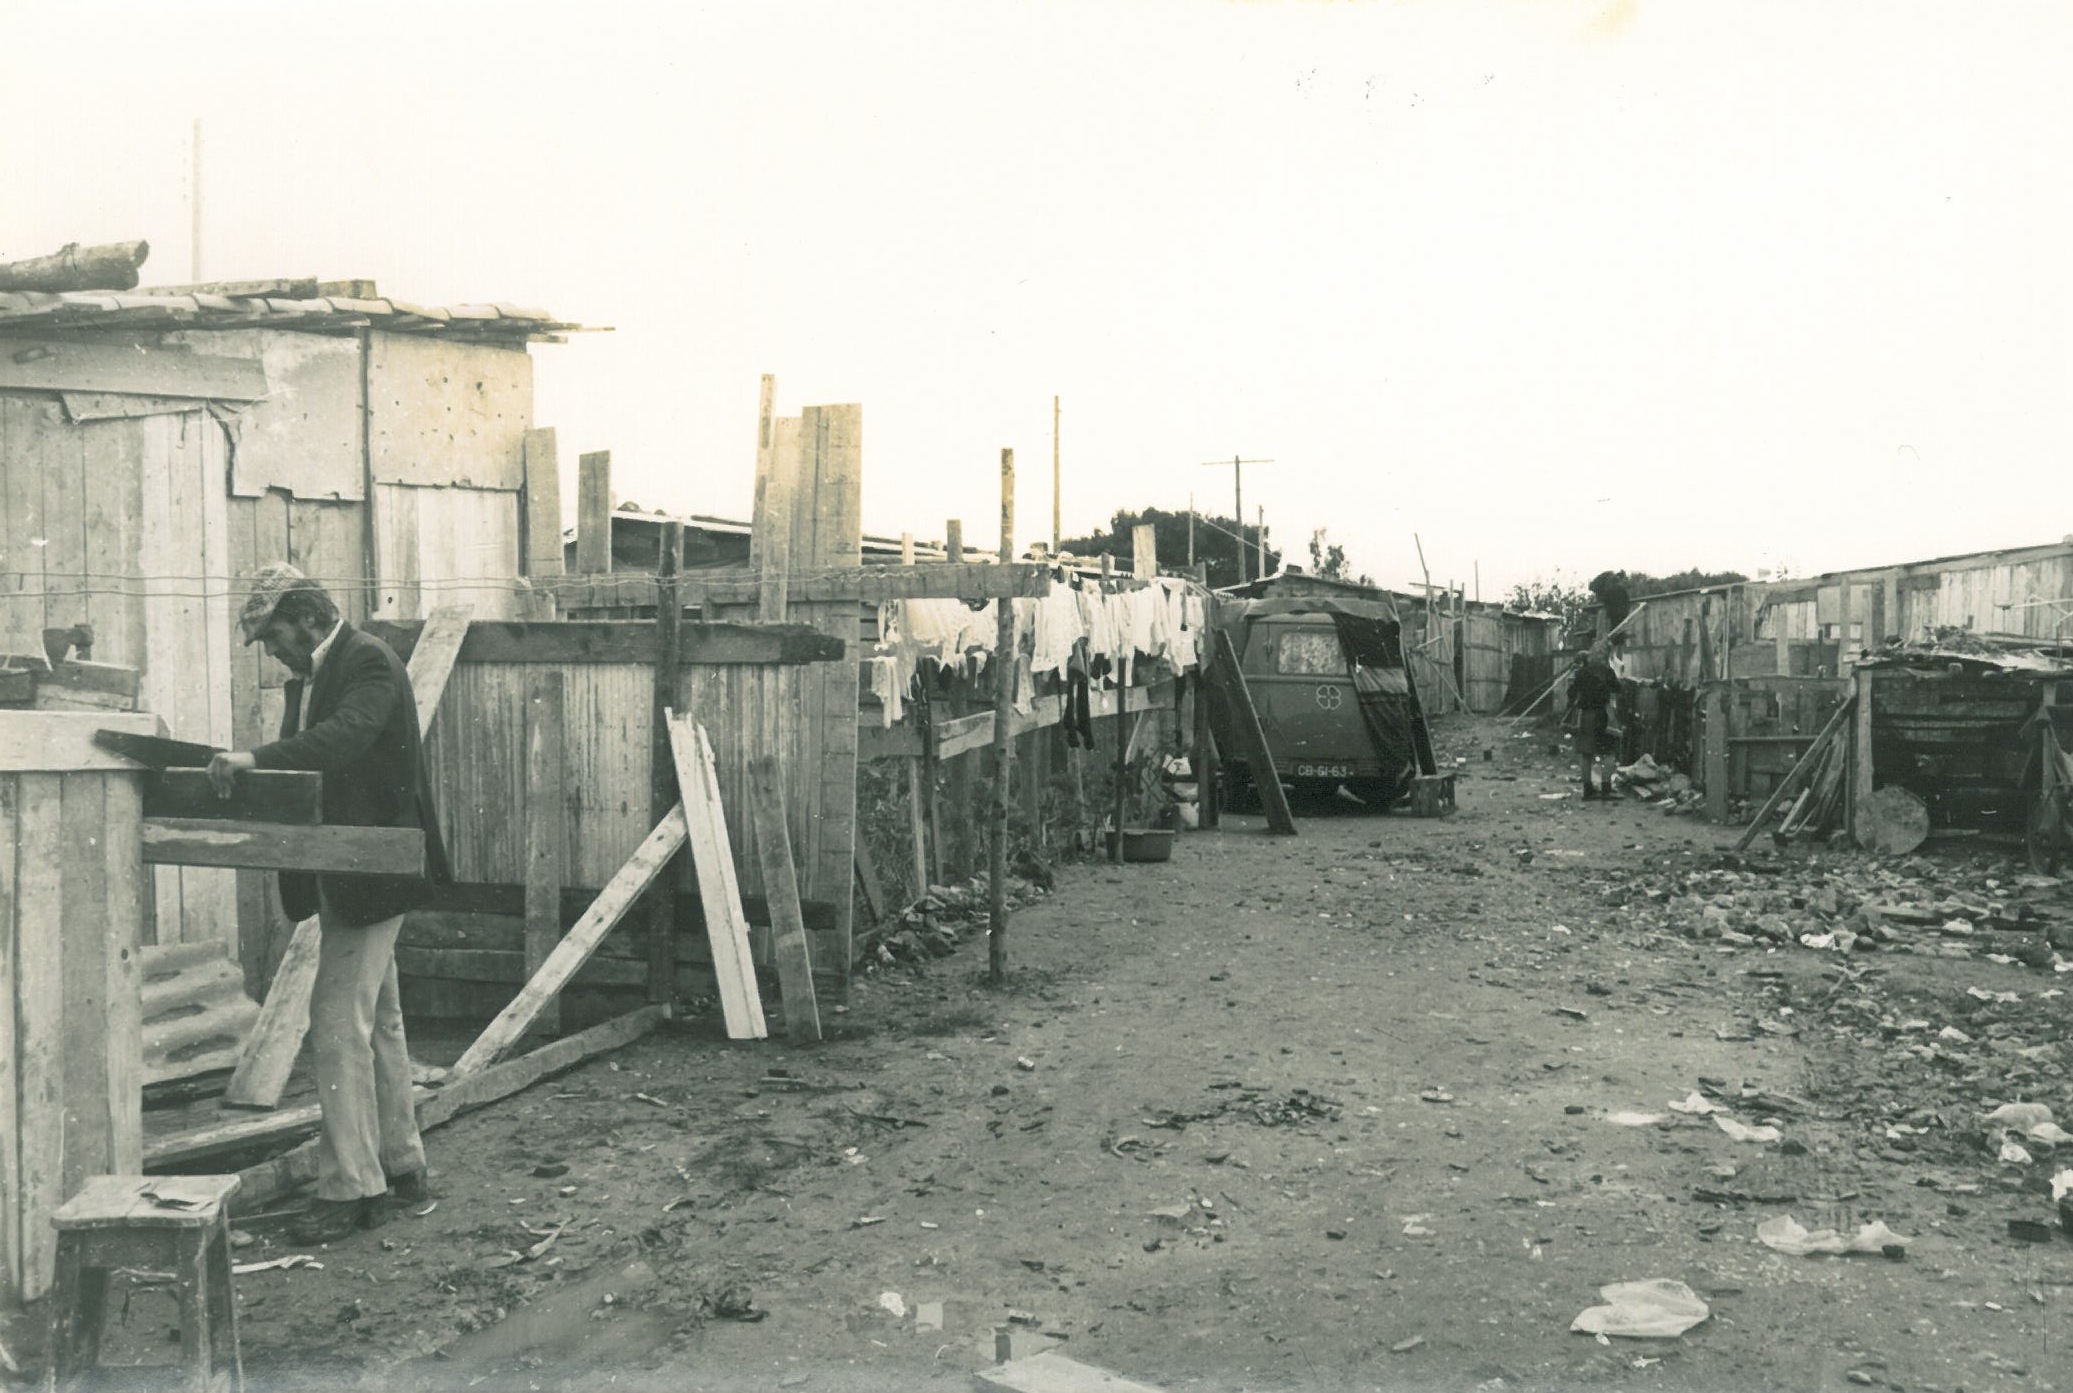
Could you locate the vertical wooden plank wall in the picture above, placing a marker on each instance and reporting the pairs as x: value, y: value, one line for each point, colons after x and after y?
x: 71, y: 885
x: 820, y: 776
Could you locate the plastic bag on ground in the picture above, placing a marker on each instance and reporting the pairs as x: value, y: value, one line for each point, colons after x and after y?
x: 1786, y: 1235
x: 1660, y: 1309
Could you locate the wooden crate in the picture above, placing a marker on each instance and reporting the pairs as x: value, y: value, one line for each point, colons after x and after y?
x: 72, y: 904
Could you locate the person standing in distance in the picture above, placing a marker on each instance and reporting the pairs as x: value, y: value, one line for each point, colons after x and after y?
x: 351, y: 717
x: 1592, y: 688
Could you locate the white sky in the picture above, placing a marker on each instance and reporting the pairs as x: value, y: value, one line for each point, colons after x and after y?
x: 1555, y: 283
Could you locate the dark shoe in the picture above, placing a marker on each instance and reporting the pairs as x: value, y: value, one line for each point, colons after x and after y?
x: 1589, y: 793
x: 1606, y: 792
x: 328, y: 1221
x: 411, y: 1187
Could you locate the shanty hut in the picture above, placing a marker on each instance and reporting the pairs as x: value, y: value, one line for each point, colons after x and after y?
x: 157, y: 445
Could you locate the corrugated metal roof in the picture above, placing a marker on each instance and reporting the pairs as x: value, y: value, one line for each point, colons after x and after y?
x: 94, y: 310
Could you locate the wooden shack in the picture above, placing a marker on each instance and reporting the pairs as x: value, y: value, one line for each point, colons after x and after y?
x: 155, y: 447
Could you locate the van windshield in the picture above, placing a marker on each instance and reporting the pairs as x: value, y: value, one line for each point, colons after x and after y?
x: 1310, y: 653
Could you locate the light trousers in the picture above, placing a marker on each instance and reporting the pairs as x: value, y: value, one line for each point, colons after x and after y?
x: 363, y: 1065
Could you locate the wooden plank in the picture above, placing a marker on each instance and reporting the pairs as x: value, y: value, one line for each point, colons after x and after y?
x: 175, y: 841
x: 39, y: 1021
x: 594, y: 513
x: 259, y: 795
x: 780, y: 884
x: 432, y: 658
x: 544, y: 815
x: 1006, y: 666
x: 10, y: 1120
x: 505, y: 968
x: 543, y: 544
x: 1228, y: 681
x: 463, y: 1093
x: 83, y: 977
x: 575, y: 948
x: 778, y: 482
x: 1144, y: 551
x: 917, y: 827
x: 662, y: 766
x: 51, y: 365
x: 1052, y: 1372
x: 719, y: 894
x: 867, y: 881
x: 620, y: 641
x: 1716, y: 751
x: 878, y: 583
x: 1861, y: 780
x: 276, y: 1037
x: 63, y: 741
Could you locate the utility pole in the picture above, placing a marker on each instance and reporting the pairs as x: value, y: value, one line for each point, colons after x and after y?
x: 1237, y: 500
x: 1055, y: 532
x: 1191, y: 531
x: 1260, y: 536
x: 194, y: 261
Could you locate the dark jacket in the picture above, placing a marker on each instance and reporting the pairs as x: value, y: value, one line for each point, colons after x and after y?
x: 1593, y: 686
x: 363, y: 738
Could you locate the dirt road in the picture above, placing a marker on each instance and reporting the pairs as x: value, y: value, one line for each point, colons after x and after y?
x: 1380, y: 1106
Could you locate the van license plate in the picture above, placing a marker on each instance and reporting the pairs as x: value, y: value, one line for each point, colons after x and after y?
x: 1324, y: 771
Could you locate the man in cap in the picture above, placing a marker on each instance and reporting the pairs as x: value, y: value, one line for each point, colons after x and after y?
x: 352, y: 717
x: 1593, y: 686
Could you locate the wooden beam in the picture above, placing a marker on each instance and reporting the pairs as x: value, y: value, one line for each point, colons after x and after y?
x: 269, y: 1054
x: 770, y: 532
x: 274, y: 288
x: 594, y: 513
x: 1861, y: 762
x: 622, y: 641
x: 719, y: 893
x: 62, y: 742
x: 543, y: 544
x: 1005, y: 666
x: 108, y: 266
x: 917, y: 826
x: 53, y: 365
x: 180, y: 841
x: 1716, y: 752
x: 432, y: 658
x: 544, y: 794
x: 575, y: 948
x: 662, y: 766
x: 1144, y: 551
x: 954, y: 542
x: 259, y: 795
x: 1227, y: 680
x: 781, y: 884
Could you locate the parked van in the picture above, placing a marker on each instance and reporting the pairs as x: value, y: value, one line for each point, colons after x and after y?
x: 1309, y: 698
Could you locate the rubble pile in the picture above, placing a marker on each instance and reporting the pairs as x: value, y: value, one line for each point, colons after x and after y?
x: 944, y: 918
x: 1672, y: 793
x: 1987, y: 908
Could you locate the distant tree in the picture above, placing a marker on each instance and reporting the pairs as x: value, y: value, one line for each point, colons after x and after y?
x: 1551, y: 595
x: 1328, y: 560
x: 1214, y: 543
x: 1640, y: 584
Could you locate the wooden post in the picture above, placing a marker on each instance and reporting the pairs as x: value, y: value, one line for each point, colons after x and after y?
x: 545, y: 788
x: 594, y: 513
x: 906, y: 548
x: 662, y: 906
x: 770, y: 524
x: 542, y: 557
x: 1144, y: 551
x: 1205, y: 760
x: 1716, y: 752
x: 1861, y: 765
x: 954, y: 541
x: 917, y: 828
x: 781, y: 892
x: 1122, y: 769
x: 1004, y: 661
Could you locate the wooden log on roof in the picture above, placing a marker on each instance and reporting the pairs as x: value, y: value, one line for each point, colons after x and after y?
x: 277, y: 288
x: 110, y: 266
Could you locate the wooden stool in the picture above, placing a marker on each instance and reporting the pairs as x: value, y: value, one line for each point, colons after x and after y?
x: 162, y: 1222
